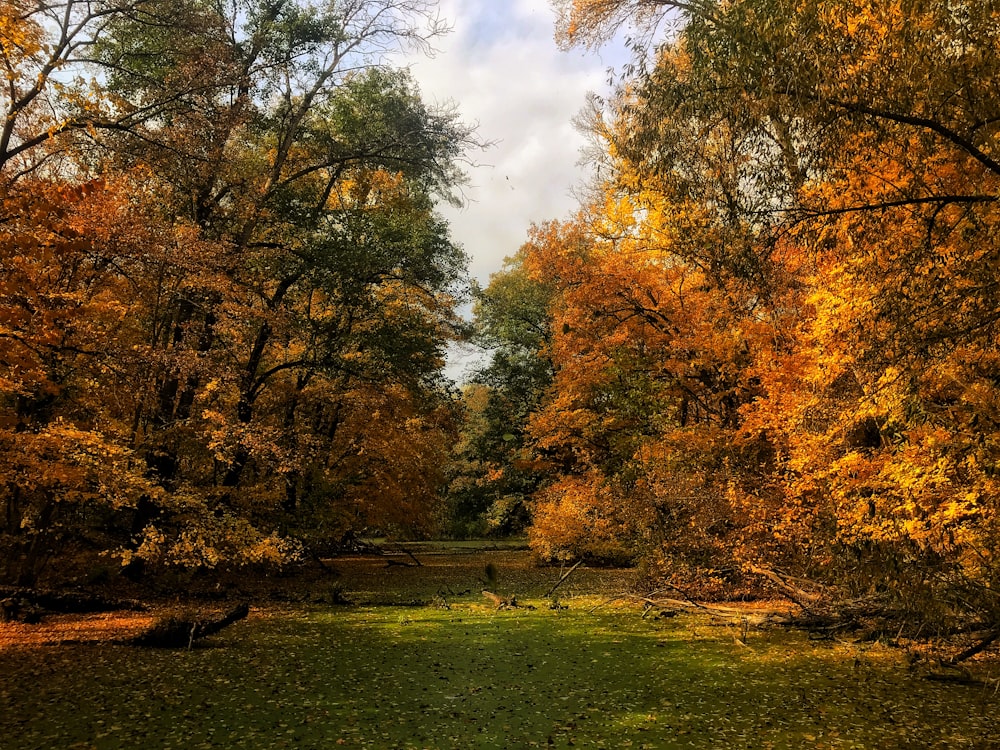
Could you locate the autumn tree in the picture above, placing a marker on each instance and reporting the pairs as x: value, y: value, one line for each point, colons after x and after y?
x: 66, y: 344
x: 275, y: 259
x: 314, y: 171
x: 830, y: 174
x: 638, y: 426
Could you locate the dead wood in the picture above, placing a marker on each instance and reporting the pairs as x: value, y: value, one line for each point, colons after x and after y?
x: 416, y: 562
x: 807, y: 601
x: 30, y: 605
x: 13, y: 609
x: 960, y: 676
x: 399, y: 564
x: 611, y: 600
x: 687, y: 597
x: 670, y: 607
x: 505, y: 602
x: 982, y: 645
x: 175, y: 632
x: 565, y: 575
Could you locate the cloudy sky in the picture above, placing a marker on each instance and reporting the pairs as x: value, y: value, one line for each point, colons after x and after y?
x: 501, y: 68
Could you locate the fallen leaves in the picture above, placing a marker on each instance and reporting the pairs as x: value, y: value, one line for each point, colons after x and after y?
x: 375, y: 677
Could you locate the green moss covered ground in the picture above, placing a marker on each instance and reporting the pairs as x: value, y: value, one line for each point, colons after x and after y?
x: 426, y: 676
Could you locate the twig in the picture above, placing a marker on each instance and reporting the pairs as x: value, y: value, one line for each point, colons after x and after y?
x: 685, y: 594
x: 608, y: 601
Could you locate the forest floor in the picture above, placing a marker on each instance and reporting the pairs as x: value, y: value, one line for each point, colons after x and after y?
x: 421, y: 658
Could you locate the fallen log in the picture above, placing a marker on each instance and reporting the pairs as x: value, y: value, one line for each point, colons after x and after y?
x: 174, y: 632
x: 13, y: 609
x: 982, y: 645
x: 66, y: 602
x: 954, y: 674
x: 755, y: 616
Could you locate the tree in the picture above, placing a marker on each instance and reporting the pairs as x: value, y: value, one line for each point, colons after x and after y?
x: 637, y: 425
x: 829, y: 177
x: 494, y: 475
x: 65, y: 344
x: 278, y: 266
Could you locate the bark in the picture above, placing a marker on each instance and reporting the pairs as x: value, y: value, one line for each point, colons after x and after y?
x: 982, y: 645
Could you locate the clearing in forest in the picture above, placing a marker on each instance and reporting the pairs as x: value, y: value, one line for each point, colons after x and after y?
x: 422, y: 659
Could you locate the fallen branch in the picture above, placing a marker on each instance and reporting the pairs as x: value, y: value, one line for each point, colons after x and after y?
x: 410, y: 555
x: 797, y: 595
x: 961, y: 677
x: 678, y: 604
x: 605, y: 602
x: 565, y: 575
x: 682, y: 592
x: 984, y: 644
x: 175, y: 632
x: 753, y: 617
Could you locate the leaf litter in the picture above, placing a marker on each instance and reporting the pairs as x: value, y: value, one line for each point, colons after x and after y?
x: 426, y: 676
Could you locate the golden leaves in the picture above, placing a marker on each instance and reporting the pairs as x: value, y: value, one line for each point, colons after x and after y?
x: 783, y: 299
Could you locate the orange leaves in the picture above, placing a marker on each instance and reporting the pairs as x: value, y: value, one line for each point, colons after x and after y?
x: 394, y: 456
x: 255, y: 298
x: 57, y: 299
x: 776, y: 323
x: 62, y: 463
x: 648, y: 355
x: 582, y: 517
x: 207, y: 540
x: 589, y: 23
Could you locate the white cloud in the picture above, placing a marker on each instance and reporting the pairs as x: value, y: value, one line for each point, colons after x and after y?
x: 502, y: 69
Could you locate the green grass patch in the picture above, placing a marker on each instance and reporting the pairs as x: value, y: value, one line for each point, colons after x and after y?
x: 428, y: 677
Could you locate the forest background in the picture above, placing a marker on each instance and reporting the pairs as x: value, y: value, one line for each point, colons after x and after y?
x: 765, y: 346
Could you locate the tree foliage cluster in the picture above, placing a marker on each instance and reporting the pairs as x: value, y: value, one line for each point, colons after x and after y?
x: 773, y: 324
x: 225, y: 293
x: 492, y: 475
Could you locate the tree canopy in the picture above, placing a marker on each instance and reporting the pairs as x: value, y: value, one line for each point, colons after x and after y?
x: 226, y: 292
x: 774, y: 319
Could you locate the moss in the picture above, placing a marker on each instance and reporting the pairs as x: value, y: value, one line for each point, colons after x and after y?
x: 470, y: 676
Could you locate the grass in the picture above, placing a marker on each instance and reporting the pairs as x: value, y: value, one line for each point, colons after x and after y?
x: 381, y: 676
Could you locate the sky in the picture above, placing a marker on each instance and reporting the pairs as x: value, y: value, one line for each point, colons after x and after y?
x: 502, y: 70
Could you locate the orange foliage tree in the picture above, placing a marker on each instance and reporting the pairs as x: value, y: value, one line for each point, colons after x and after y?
x: 783, y: 305
x: 66, y: 353
x: 221, y: 257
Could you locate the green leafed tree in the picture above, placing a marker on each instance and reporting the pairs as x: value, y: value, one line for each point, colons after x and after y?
x: 494, y: 475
